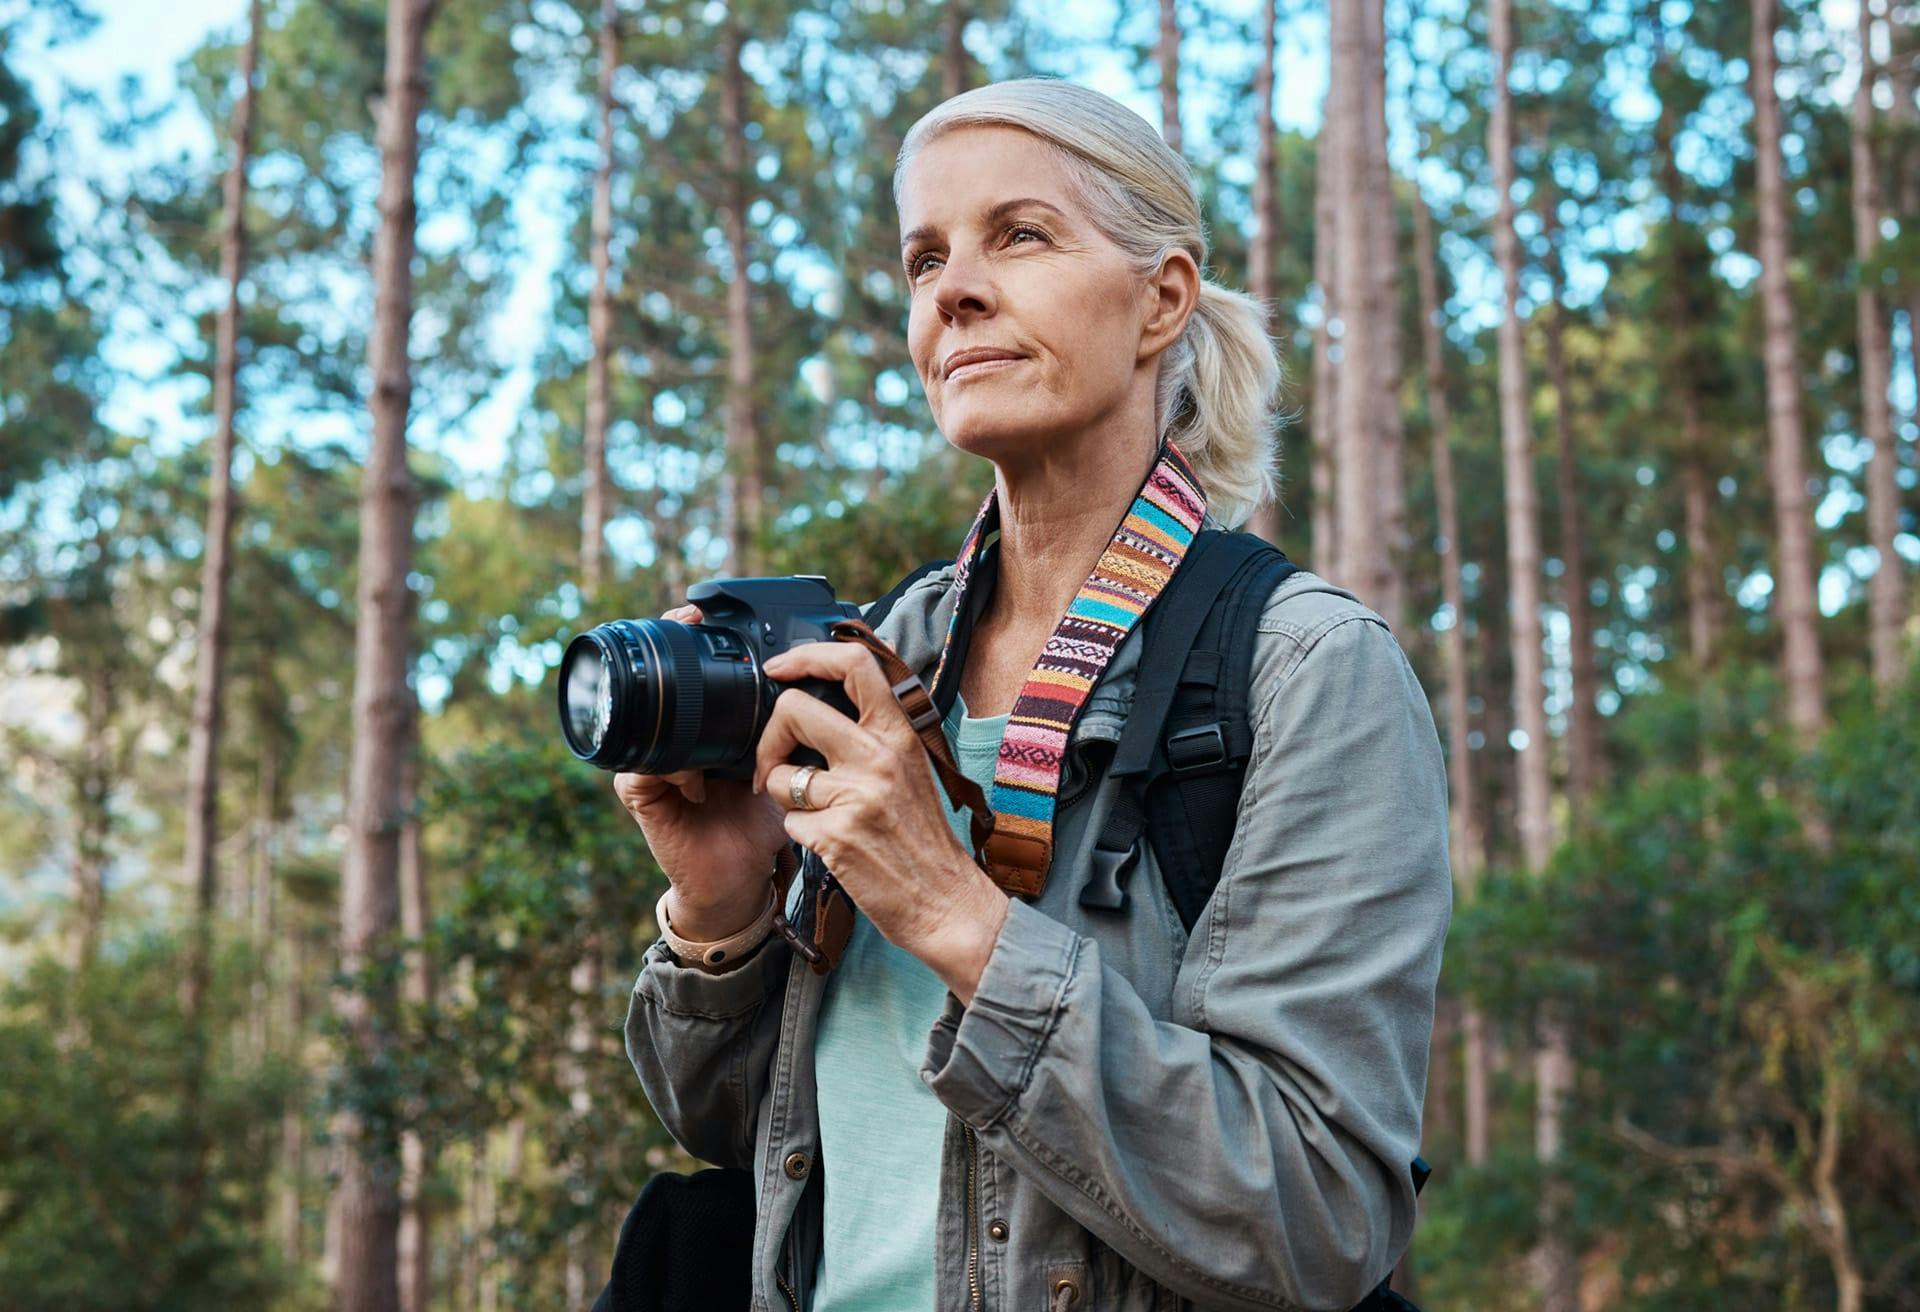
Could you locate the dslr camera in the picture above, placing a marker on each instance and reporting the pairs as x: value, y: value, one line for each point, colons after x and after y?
x: 655, y: 696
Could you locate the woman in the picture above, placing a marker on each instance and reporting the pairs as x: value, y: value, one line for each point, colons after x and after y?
x: 1004, y: 1101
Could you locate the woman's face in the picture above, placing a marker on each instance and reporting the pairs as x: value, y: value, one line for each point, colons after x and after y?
x: 1026, y: 322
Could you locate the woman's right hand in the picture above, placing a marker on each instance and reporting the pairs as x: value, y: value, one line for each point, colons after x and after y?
x: 715, y: 839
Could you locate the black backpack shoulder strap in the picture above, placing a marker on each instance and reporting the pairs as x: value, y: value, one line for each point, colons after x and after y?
x: 1197, y: 636
x: 878, y: 611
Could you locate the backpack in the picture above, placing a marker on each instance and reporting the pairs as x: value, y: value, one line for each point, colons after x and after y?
x: 1182, y: 757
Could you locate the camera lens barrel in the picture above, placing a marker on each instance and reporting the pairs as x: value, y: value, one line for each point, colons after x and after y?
x: 655, y: 696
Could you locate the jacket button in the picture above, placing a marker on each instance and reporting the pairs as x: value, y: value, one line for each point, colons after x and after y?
x: 997, y: 1231
x: 796, y: 1166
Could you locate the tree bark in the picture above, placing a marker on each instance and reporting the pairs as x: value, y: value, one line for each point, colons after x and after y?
x: 1554, y: 1259
x: 593, y: 529
x: 1903, y: 41
x: 593, y: 537
x: 1786, y: 431
x: 745, y: 504
x: 1583, y: 728
x: 1886, y: 592
x: 92, y: 781
x: 293, y: 1125
x: 1168, y: 53
x: 1326, y: 375
x: 954, y: 76
x: 1383, y: 235
x: 1357, y: 434
x: 1522, y: 502
x: 1468, y: 846
x: 1704, y: 588
x: 203, y: 741
x: 415, y: 1239
x: 383, y: 700
x: 1265, y: 519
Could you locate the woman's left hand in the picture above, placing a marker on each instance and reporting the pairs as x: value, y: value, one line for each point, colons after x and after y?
x: 877, y: 818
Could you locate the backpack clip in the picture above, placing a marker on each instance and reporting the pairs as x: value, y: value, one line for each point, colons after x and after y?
x: 1194, y: 749
x: 1103, y: 886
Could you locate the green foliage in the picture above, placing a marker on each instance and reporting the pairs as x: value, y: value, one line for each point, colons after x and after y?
x: 1733, y: 980
x: 94, y: 1146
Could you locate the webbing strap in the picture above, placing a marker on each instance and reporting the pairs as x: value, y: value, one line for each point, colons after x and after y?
x: 1219, y: 562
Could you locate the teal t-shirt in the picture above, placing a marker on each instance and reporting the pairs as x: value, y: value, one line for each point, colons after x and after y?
x: 881, y: 1128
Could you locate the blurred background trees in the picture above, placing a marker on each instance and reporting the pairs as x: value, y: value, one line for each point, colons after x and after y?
x: 469, y: 323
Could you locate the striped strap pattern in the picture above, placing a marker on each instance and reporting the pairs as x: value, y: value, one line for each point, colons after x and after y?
x: 1146, y: 548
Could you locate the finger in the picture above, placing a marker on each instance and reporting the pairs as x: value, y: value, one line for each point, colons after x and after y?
x: 801, y: 719
x: 820, y: 789
x: 643, y: 789
x: 685, y: 614
x: 852, y: 666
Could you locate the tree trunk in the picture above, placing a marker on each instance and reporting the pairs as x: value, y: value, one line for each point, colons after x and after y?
x: 1168, y: 53
x: 383, y: 700
x: 415, y: 1241
x: 1704, y: 588
x: 1265, y: 519
x: 265, y: 903
x: 1786, y: 433
x: 954, y: 77
x: 293, y: 1125
x: 1389, y: 520
x: 592, y: 538
x: 593, y: 529
x: 1522, y: 504
x: 1468, y: 846
x: 1886, y: 593
x: 1554, y: 1258
x: 203, y: 742
x: 92, y: 780
x: 1903, y: 41
x: 1326, y: 374
x: 1357, y: 432
x: 743, y: 437
x: 584, y: 984
x: 1583, y: 729
x: 1703, y: 585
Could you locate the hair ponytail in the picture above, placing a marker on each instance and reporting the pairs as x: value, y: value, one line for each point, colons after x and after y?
x: 1220, y: 382
x: 1218, y: 387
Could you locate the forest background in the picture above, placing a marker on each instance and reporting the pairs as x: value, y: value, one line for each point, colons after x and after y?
x: 350, y: 368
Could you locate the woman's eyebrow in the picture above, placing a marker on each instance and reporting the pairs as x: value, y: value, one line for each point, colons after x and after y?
x: 993, y: 215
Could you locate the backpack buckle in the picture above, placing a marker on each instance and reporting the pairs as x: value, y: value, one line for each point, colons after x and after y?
x: 1193, y: 749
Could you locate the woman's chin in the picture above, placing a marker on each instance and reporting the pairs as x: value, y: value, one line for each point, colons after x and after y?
x: 985, y: 431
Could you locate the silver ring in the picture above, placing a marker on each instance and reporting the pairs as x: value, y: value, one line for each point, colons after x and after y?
x: 797, y: 786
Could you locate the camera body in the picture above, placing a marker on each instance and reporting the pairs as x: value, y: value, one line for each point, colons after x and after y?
x: 653, y: 696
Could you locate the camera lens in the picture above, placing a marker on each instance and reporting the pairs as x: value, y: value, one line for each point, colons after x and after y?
x: 656, y: 696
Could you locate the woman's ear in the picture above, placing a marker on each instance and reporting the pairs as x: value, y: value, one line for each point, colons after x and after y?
x: 1170, y: 297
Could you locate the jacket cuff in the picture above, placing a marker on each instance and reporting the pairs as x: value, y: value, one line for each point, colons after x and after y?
x: 980, y: 1057
x: 683, y: 990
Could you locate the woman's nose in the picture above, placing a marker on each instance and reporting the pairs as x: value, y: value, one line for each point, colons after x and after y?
x: 964, y: 289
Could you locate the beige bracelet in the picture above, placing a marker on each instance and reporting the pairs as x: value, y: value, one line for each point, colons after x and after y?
x: 711, y: 956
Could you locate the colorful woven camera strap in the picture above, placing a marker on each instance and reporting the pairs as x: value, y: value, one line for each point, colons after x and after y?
x: 1146, y: 549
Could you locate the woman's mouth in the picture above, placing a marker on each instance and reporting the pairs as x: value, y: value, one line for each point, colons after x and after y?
x: 978, y: 362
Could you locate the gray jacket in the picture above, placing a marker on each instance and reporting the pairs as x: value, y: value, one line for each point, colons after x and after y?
x: 1141, y: 1122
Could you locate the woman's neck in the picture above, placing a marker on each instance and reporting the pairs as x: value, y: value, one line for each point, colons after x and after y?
x: 1058, y: 511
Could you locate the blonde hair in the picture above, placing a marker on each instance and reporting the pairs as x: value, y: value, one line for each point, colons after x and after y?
x: 1220, y: 382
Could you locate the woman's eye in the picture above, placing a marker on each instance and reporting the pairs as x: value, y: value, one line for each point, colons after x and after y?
x: 918, y: 265
x: 1025, y: 231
